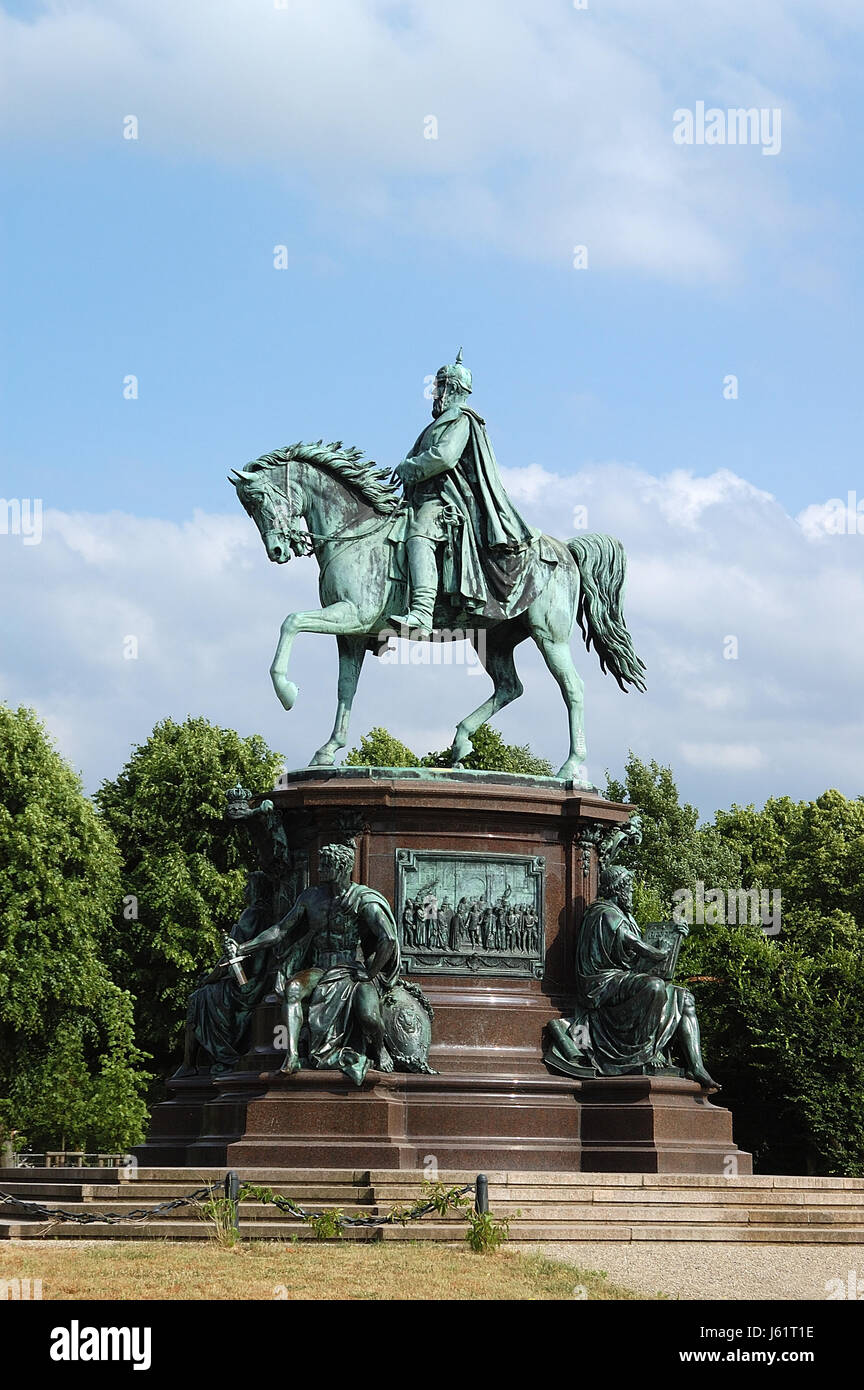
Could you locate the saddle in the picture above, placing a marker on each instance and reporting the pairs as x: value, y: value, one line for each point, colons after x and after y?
x: 510, y: 577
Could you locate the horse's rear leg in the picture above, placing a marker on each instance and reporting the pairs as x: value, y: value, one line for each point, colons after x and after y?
x: 559, y: 659
x: 351, y: 653
x: 495, y: 648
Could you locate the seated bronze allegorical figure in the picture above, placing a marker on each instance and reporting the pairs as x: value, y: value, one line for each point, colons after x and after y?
x: 219, y: 1010
x: 333, y: 962
x: 338, y: 973
x: 629, y: 1013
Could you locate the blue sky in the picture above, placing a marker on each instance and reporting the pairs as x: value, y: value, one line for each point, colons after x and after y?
x: 305, y: 127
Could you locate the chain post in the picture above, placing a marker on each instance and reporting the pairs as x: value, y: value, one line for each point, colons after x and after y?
x: 232, y: 1194
x: 481, y: 1194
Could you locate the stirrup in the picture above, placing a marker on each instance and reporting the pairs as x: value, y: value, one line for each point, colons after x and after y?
x: 413, y: 621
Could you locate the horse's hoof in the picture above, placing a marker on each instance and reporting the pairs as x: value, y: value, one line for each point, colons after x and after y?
x: 573, y: 771
x: 460, y: 749
x: 287, y: 692
x: 323, y: 759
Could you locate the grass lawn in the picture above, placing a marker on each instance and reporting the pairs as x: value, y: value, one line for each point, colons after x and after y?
x: 307, y: 1270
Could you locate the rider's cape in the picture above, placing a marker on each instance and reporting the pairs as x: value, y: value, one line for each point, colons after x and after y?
x: 495, y: 564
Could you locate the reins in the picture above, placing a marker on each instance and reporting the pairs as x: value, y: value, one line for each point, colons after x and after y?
x: 303, y: 542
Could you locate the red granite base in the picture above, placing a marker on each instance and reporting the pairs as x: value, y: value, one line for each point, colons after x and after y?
x: 455, y: 1121
x: 656, y: 1124
x: 493, y: 1105
x: 320, y: 1118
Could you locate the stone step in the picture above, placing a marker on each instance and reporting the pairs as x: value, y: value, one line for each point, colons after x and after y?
x: 590, y: 1213
x: 46, y: 1192
x: 586, y: 1216
x: 192, y: 1176
x: 703, y: 1216
x: 252, y: 1211
x: 528, y: 1232
x: 149, y: 1193
x: 585, y: 1196
x: 61, y: 1175
x: 454, y: 1177
x: 540, y: 1206
x: 657, y: 1196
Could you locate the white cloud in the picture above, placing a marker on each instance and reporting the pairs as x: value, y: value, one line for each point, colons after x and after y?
x: 205, y: 605
x: 726, y: 757
x: 839, y: 516
x: 554, y: 125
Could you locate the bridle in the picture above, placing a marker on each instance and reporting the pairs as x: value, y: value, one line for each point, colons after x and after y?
x: 304, y: 542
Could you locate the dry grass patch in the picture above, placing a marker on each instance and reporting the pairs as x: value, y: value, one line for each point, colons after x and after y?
x: 158, y: 1269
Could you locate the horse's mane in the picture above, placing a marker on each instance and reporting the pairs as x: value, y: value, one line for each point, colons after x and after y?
x: 349, y: 466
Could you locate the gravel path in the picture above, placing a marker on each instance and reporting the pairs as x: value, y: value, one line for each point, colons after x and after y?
x: 713, y: 1270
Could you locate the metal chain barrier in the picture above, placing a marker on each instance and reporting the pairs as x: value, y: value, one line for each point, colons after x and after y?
x: 396, y: 1217
x: 235, y: 1192
x: 110, y: 1218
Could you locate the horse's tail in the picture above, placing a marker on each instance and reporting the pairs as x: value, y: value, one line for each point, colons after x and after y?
x: 602, y: 566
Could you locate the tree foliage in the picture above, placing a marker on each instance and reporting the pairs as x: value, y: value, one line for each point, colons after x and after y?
x: 814, y: 850
x: 782, y: 1017
x: 675, y: 852
x: 784, y: 1031
x: 184, y: 864
x: 490, y: 753
x: 69, y: 1067
x: 379, y: 748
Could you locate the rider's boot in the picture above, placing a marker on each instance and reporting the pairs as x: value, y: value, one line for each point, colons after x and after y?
x: 423, y: 570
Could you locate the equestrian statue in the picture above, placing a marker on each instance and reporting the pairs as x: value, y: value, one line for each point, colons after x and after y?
x: 433, y: 550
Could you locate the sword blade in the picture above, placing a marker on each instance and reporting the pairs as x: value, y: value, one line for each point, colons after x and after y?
x: 238, y: 972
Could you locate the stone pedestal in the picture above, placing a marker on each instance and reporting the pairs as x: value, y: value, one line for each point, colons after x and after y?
x: 655, y: 1124
x: 492, y: 1105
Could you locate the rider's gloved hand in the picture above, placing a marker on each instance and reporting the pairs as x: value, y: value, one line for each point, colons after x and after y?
x: 405, y: 471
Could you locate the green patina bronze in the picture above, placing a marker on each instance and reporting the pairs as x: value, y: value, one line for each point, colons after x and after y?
x: 220, y: 1010
x: 471, y: 914
x: 436, y: 548
x: 332, y: 960
x: 628, y: 1012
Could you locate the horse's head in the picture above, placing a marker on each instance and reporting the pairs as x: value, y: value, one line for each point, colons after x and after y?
x: 276, y: 507
x: 328, y: 485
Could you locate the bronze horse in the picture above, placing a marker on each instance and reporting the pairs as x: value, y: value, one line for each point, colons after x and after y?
x: 352, y: 510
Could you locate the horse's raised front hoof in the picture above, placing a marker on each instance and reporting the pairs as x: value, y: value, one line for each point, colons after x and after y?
x: 286, y: 690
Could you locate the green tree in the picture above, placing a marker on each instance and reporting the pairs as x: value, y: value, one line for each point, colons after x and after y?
x: 784, y: 1031
x: 675, y: 853
x: 490, y: 753
x: 379, y: 748
x: 812, y: 850
x: 184, y: 864
x: 69, y: 1067
x: 782, y: 1017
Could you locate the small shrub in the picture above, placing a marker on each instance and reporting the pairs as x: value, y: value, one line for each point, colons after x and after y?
x: 484, y: 1232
